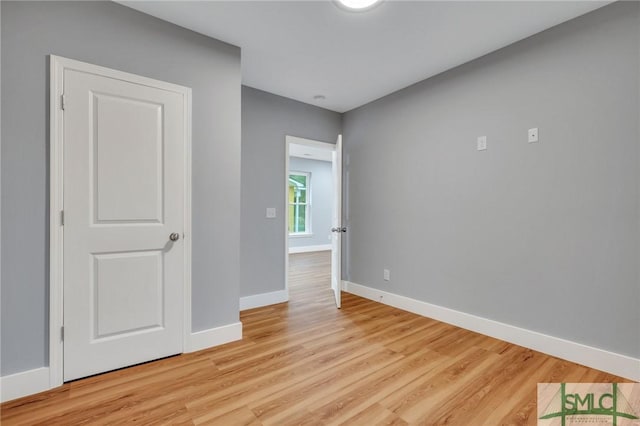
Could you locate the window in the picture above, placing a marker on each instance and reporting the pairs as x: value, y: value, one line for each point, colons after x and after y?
x: 299, y: 203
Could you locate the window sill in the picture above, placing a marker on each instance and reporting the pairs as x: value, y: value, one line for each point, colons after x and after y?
x: 301, y: 235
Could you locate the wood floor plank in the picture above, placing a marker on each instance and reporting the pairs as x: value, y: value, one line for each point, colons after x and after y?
x: 307, y: 363
x: 239, y: 416
x: 352, y: 399
x: 422, y: 396
x: 276, y: 407
x: 251, y: 389
x: 374, y: 414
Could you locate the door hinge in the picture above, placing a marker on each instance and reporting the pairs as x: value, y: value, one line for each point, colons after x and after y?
x: 61, y: 217
x: 62, y: 333
x: 62, y: 99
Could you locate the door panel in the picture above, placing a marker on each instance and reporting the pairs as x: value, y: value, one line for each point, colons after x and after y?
x: 124, y: 151
x: 127, y: 293
x: 336, y: 236
x: 128, y: 188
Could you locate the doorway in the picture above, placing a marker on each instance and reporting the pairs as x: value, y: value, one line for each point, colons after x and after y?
x: 313, y: 216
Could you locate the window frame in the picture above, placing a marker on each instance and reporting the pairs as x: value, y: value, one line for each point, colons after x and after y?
x: 307, y: 219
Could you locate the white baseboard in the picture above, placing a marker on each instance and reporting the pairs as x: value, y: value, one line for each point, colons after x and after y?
x: 610, y: 362
x: 38, y: 380
x: 214, y: 337
x: 263, y: 299
x: 307, y: 249
x: 24, y: 383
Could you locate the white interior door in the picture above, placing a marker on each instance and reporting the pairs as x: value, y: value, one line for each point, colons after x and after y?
x: 336, y: 223
x: 124, y: 150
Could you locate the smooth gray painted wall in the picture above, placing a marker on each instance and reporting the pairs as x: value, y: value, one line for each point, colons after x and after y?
x: 114, y: 36
x: 321, y: 201
x: 266, y: 120
x: 0, y: 189
x: 542, y: 236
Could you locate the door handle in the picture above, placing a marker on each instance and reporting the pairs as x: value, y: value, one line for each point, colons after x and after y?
x: 343, y: 229
x: 174, y: 236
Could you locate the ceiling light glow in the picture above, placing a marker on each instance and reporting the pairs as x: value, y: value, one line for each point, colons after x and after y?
x: 358, y: 4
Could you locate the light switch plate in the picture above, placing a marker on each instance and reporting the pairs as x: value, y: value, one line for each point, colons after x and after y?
x: 482, y: 143
x: 271, y: 212
x: 533, y: 135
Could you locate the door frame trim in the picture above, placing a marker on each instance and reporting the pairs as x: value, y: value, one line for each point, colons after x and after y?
x: 296, y: 141
x: 57, y: 65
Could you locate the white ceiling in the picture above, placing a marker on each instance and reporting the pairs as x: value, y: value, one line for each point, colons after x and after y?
x: 299, y: 49
x: 310, y: 152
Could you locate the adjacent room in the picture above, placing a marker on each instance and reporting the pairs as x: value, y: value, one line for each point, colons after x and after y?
x: 333, y: 212
x: 311, y: 204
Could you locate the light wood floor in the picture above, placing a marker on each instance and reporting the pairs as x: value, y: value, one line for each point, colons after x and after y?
x: 305, y: 362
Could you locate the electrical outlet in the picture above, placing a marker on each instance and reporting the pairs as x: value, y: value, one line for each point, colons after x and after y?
x: 482, y: 143
x: 271, y: 212
x: 386, y: 274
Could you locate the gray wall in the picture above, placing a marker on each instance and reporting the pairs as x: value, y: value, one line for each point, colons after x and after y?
x: 114, y: 36
x: 0, y: 191
x: 266, y: 120
x: 543, y: 236
x: 321, y: 201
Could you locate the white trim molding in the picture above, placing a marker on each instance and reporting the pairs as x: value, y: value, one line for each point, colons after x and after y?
x: 308, y: 249
x: 214, y: 337
x: 263, y: 299
x: 610, y: 362
x: 24, y: 383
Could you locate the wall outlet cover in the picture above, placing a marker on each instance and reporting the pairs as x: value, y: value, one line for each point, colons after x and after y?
x: 482, y: 143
